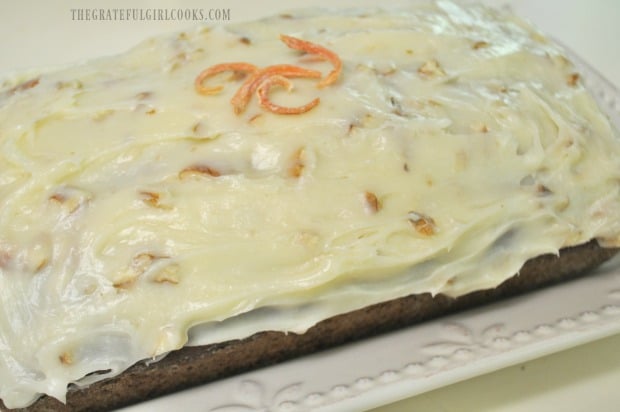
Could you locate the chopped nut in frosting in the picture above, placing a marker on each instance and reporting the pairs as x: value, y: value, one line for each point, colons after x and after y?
x: 480, y: 45
x: 372, y: 201
x: 431, y: 69
x: 297, y: 167
x: 423, y: 224
x: 197, y: 170
x: 572, y: 79
x: 66, y: 358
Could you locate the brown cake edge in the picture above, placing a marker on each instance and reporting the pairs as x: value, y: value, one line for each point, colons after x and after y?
x: 191, y: 366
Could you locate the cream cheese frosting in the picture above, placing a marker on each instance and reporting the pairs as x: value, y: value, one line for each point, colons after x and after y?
x: 457, y: 143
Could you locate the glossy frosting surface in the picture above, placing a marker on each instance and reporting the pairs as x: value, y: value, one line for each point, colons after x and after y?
x: 457, y: 144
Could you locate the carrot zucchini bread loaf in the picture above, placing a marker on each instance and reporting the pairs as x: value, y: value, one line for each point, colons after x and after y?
x: 355, y: 170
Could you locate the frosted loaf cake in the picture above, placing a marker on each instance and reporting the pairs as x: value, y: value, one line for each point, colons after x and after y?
x: 143, y: 208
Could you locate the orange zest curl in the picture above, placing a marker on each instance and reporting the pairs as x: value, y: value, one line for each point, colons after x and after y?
x: 242, y: 97
x: 263, y: 96
x: 320, y: 51
x: 261, y: 80
x: 219, y: 68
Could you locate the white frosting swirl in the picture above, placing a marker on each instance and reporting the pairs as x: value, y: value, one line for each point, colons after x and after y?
x: 457, y: 144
